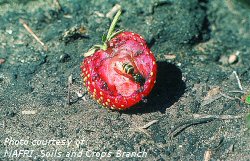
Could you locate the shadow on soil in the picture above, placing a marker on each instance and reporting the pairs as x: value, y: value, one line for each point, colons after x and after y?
x: 168, y: 89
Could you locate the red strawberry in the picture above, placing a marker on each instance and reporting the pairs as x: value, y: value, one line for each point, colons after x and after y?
x: 121, y: 72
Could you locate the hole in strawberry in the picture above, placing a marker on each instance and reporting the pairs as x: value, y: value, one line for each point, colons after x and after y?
x: 104, y: 86
x: 138, y: 52
x: 122, y: 73
x: 95, y: 76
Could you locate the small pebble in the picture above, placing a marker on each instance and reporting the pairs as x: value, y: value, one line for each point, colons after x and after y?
x: 29, y: 112
x: 170, y: 56
x: 99, y: 14
x: 2, y: 60
x: 68, y: 16
x: 212, y: 92
x: 233, y: 58
x: 64, y: 58
x: 9, y: 31
x: 79, y: 94
x: 223, y: 60
x: 84, y: 98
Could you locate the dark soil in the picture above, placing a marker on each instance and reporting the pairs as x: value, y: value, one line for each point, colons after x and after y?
x: 202, y: 34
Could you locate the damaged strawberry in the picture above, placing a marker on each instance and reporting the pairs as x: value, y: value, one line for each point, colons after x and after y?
x: 122, y: 71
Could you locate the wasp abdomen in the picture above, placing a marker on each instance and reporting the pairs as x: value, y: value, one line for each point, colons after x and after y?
x: 139, y: 78
x: 129, y: 69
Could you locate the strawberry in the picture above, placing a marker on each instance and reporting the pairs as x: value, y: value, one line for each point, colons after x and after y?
x: 122, y: 71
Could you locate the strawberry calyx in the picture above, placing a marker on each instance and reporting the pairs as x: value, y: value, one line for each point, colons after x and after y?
x: 106, y: 38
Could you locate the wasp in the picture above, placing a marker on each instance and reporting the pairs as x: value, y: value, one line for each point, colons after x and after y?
x: 129, y: 69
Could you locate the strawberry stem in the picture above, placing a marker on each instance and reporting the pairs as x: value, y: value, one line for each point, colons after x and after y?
x: 105, y: 39
x: 112, y: 26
